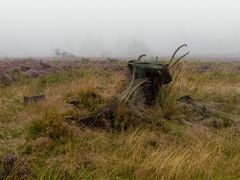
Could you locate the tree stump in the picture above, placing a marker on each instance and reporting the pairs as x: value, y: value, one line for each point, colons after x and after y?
x: 156, y: 74
x: 144, y: 81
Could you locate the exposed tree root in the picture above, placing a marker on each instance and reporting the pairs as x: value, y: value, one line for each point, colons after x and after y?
x: 206, y: 111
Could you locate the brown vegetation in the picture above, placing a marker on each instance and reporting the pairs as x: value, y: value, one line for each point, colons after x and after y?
x: 177, y: 143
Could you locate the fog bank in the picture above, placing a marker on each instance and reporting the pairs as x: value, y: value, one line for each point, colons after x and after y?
x: 119, y: 27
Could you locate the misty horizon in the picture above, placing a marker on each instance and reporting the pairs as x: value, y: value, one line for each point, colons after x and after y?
x: 119, y: 28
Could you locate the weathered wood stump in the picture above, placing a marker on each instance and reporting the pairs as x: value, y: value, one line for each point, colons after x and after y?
x: 144, y: 81
x: 156, y: 74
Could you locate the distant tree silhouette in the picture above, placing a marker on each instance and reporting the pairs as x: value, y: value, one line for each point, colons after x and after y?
x: 62, y: 54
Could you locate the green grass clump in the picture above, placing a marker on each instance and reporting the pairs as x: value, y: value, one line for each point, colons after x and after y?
x: 85, y: 99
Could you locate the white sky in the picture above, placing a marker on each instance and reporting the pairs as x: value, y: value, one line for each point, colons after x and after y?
x: 126, y: 27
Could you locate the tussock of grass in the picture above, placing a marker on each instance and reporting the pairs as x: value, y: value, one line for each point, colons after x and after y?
x: 85, y: 98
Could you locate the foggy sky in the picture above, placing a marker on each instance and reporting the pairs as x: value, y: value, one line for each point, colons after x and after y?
x: 119, y: 27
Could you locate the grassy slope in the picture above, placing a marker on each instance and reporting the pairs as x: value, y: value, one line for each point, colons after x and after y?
x: 49, y: 148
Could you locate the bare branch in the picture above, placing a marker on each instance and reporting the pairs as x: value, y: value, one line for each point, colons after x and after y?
x: 184, y: 45
x: 141, y: 56
x: 179, y: 59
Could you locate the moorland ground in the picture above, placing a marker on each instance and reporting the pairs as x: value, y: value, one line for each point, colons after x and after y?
x: 37, y: 143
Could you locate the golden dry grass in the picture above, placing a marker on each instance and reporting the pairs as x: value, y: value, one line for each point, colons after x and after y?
x: 52, y: 149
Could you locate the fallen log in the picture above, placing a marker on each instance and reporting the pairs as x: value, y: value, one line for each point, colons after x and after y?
x: 206, y: 111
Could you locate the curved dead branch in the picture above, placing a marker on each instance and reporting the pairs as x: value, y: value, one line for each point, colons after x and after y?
x: 175, y: 52
x: 141, y: 56
x: 179, y: 59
